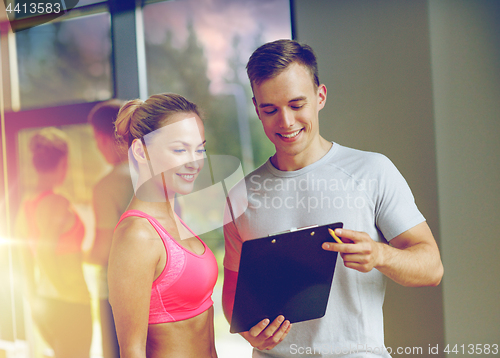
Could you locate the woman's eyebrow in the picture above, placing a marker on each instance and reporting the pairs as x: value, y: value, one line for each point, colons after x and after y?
x: 187, y: 144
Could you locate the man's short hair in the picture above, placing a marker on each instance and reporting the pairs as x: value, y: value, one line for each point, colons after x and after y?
x: 272, y: 58
x: 103, y: 116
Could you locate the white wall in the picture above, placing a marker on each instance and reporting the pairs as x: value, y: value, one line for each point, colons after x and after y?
x: 465, y: 47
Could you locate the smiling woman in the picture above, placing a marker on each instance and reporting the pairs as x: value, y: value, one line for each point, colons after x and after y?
x: 161, y: 275
x: 177, y: 143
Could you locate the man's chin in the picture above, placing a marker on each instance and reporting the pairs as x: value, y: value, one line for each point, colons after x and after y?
x: 290, y: 149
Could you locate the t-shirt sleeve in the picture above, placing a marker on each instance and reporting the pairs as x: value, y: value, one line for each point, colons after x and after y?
x: 395, y: 210
x: 232, y: 242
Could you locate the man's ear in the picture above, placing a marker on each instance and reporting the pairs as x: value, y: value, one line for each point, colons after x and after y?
x: 321, y: 96
x: 255, y: 106
x: 139, y: 152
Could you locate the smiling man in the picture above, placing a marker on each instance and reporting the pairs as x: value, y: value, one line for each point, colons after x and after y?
x: 288, y: 107
x: 310, y: 180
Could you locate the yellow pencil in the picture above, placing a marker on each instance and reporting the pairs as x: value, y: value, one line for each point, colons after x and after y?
x: 334, y: 236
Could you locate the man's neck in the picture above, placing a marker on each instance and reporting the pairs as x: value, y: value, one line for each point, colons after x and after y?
x: 286, y: 162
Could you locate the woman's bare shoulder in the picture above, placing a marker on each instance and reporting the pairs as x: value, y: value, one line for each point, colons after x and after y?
x: 54, y: 213
x: 135, y: 245
x: 133, y: 230
x: 54, y: 202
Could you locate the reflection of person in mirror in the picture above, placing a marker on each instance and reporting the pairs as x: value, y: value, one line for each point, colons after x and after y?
x: 110, y: 198
x: 57, y: 291
x: 160, y: 274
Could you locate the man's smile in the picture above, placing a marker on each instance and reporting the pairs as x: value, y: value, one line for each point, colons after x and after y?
x: 290, y: 135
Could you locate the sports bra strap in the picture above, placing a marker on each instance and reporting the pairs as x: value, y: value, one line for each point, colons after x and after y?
x: 40, y: 196
x: 129, y: 213
x: 151, y: 219
x: 164, y: 234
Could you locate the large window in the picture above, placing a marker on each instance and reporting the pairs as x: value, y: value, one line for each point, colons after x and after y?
x: 64, y: 61
x: 52, y: 74
x: 199, y: 48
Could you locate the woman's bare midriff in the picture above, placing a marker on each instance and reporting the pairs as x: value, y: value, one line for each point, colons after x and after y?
x: 190, y: 338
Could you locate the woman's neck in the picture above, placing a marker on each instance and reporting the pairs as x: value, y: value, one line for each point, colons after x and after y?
x: 46, y: 182
x: 159, y: 207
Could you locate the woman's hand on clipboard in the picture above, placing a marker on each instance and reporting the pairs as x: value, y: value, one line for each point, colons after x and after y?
x: 265, y: 335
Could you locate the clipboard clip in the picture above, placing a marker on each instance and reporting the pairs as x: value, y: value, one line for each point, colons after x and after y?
x: 293, y: 229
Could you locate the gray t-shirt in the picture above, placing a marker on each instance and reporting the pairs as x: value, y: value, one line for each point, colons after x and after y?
x: 363, y: 190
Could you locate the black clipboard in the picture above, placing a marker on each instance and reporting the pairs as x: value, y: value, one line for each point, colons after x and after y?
x: 285, y: 274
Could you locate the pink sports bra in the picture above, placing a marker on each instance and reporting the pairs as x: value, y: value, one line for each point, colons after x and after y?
x: 184, y: 288
x: 68, y: 242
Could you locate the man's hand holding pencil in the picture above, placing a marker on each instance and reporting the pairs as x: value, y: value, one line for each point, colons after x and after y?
x: 356, y: 248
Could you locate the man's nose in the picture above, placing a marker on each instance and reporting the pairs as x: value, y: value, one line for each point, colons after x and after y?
x: 287, y: 119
